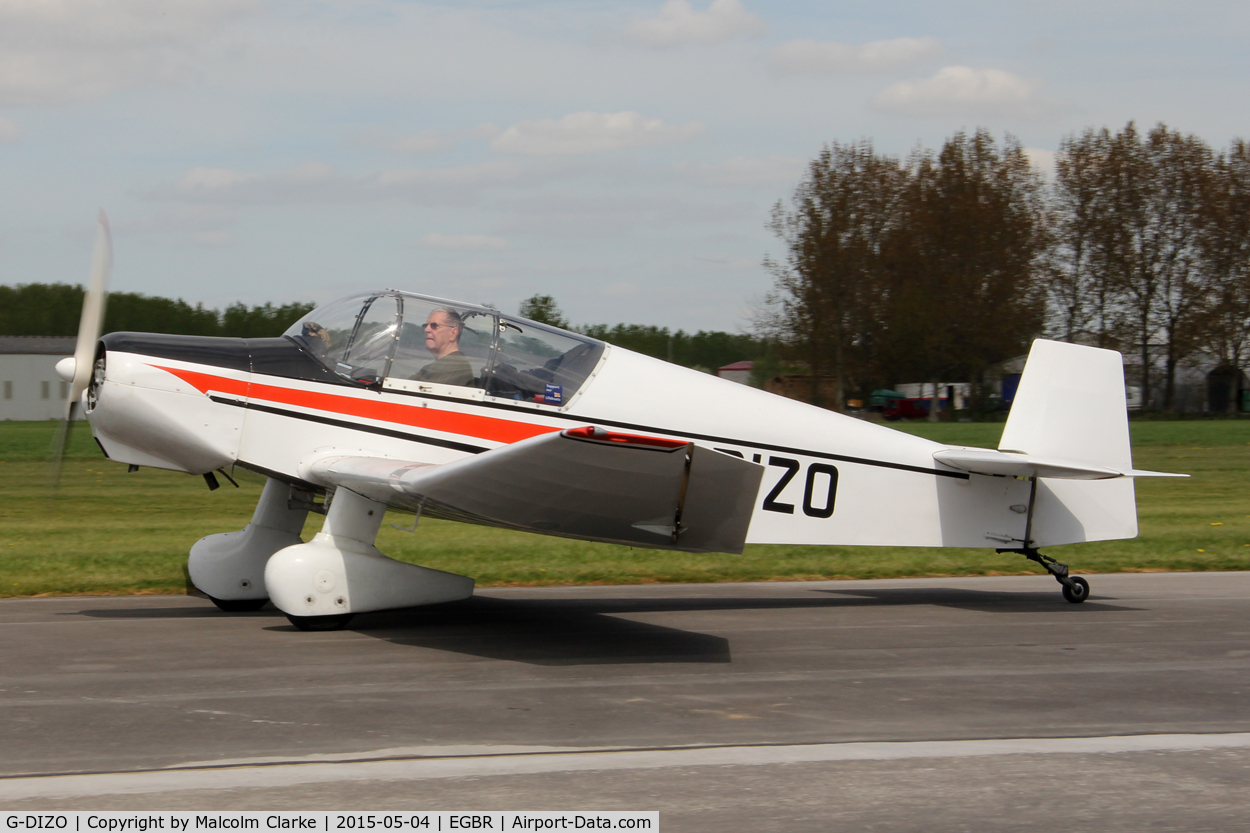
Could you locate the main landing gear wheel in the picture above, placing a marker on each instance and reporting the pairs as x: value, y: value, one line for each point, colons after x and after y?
x: 1076, y: 590
x: 239, y: 605
x: 334, y: 622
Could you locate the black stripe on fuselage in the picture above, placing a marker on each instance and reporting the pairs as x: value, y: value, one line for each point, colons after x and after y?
x: 823, y: 455
x: 844, y: 458
x: 354, y: 426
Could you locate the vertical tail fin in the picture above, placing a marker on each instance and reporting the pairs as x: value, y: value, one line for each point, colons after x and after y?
x: 1071, y: 404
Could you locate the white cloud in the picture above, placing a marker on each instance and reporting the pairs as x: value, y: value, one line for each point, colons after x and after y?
x: 609, y: 214
x: 809, y: 56
x: 677, y: 23
x: 726, y: 260
x: 211, y: 179
x: 320, y: 182
x: 56, y: 51
x: 191, y: 219
x: 463, y: 241
x: 590, y: 132
x: 963, y: 90
x: 121, y: 23
x: 476, y: 175
x: 425, y: 141
x: 203, y: 224
x: 10, y: 132
x: 742, y: 170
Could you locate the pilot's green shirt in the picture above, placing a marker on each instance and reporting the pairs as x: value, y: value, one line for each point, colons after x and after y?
x: 452, y: 369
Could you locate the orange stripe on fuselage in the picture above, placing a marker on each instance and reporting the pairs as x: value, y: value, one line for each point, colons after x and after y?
x: 451, y: 422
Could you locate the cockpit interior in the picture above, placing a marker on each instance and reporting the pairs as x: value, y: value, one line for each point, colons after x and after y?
x: 403, y: 342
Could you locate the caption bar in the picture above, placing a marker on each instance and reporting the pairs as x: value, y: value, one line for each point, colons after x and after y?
x: 330, y: 822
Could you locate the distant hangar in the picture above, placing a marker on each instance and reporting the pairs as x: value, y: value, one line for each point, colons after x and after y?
x: 29, y: 386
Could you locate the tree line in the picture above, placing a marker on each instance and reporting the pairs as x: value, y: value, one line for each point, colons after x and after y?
x: 54, y: 310
x: 706, y: 349
x: 939, y: 265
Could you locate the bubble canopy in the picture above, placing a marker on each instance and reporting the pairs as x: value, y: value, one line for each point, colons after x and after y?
x: 411, y: 343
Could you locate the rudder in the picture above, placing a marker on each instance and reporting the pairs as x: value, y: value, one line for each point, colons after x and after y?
x: 1071, y: 404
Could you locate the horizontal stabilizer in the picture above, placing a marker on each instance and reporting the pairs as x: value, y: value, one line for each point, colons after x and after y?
x: 1019, y: 464
x: 580, y: 483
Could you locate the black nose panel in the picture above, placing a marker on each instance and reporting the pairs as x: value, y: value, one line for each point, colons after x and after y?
x: 217, y: 352
x: 280, y: 357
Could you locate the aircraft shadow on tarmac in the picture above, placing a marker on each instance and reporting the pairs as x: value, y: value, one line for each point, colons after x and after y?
x: 988, y: 601
x: 535, y: 631
x: 582, y: 631
x: 591, y: 631
x: 541, y: 632
x: 207, y: 611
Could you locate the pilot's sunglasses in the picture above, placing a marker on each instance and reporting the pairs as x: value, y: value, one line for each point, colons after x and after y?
x: 431, y: 325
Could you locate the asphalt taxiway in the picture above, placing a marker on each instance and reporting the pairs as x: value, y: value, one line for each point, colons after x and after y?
x: 914, y: 704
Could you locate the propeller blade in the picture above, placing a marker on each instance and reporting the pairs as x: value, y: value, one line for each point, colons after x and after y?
x: 89, y: 327
x: 92, y: 320
x: 58, y: 450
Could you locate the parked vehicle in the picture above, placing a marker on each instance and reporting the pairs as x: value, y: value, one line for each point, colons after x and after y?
x: 914, y: 408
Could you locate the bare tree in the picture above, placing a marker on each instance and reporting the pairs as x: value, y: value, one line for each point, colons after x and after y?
x: 1224, y: 251
x: 1083, y: 300
x: 828, y: 286
x: 1147, y: 242
x: 1183, y: 167
x: 967, y: 259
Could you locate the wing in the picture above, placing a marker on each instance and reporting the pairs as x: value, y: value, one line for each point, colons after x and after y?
x: 581, y: 483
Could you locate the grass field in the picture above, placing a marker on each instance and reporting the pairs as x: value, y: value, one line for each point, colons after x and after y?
x: 114, y: 532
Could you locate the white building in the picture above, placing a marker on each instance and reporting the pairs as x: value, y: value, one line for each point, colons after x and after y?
x: 962, y: 391
x: 29, y: 386
x: 739, y: 372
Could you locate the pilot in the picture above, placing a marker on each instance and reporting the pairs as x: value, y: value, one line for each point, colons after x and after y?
x: 316, y: 338
x: 442, y: 338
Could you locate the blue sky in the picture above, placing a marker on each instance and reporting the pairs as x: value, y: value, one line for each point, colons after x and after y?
x: 621, y: 156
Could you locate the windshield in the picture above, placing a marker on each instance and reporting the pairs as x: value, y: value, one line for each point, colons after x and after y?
x: 537, y: 364
x: 325, y: 331
x: 418, y: 344
x: 371, y: 344
x: 352, y: 336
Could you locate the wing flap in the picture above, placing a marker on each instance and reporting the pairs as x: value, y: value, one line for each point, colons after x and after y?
x: 581, y: 483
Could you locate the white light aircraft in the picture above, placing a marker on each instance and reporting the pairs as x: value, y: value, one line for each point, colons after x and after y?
x: 388, y: 399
